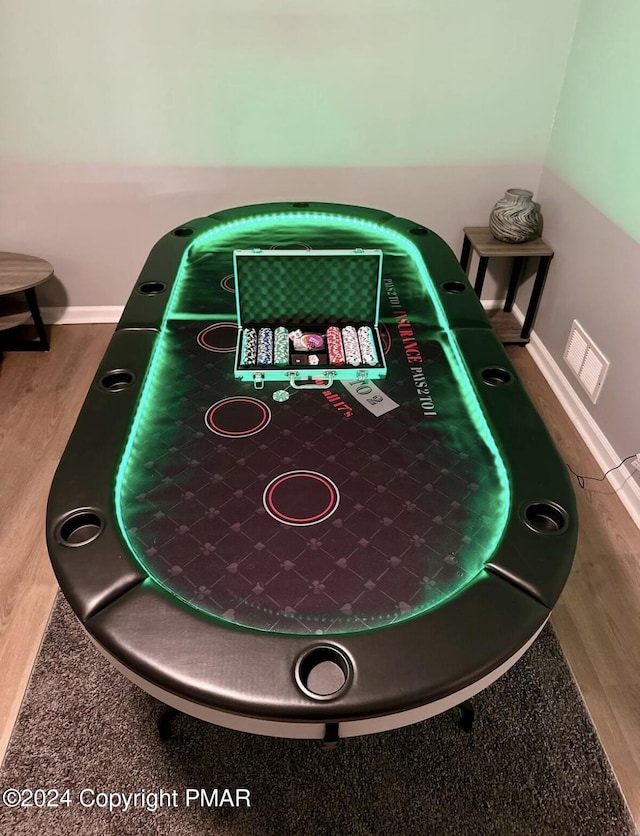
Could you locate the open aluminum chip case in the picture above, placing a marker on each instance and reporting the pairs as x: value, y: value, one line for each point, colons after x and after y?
x: 308, y: 293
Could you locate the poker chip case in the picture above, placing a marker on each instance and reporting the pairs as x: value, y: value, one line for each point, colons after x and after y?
x: 308, y: 317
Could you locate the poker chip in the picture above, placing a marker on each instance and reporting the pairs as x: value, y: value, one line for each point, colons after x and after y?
x: 338, y: 346
x: 351, y: 346
x: 281, y: 346
x: 313, y: 340
x: 249, y: 349
x: 334, y: 346
x: 280, y: 395
x: 304, y: 341
x: 265, y: 347
x: 367, y: 346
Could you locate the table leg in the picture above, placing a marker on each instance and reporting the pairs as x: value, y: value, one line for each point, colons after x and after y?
x: 467, y: 715
x: 166, y: 715
x: 331, y: 736
x: 32, y: 300
x: 482, y: 269
x: 536, y: 293
x: 466, y: 252
x: 516, y: 273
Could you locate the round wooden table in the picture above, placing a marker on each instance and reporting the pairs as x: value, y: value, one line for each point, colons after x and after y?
x: 20, y: 274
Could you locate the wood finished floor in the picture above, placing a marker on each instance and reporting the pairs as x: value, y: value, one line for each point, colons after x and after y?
x: 597, y: 619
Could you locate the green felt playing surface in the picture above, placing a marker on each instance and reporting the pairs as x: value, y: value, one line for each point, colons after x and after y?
x: 218, y: 483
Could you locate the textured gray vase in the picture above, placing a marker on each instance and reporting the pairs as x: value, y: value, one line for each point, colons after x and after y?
x: 516, y: 217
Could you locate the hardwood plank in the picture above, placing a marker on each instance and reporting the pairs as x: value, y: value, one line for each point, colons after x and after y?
x: 40, y: 397
x: 597, y: 617
x: 506, y: 326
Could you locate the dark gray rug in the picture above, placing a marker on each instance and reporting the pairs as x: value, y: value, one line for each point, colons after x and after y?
x: 532, y: 764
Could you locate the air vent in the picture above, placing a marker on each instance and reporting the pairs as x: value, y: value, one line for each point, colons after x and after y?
x: 586, y: 361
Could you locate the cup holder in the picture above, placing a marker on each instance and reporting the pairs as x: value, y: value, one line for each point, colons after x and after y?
x: 323, y: 673
x: 545, y: 517
x: 419, y: 230
x: 152, y: 288
x: 79, y: 528
x: 496, y: 376
x: 183, y: 231
x: 454, y: 287
x: 116, y: 380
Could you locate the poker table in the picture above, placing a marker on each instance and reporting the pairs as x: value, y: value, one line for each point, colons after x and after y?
x: 309, y: 562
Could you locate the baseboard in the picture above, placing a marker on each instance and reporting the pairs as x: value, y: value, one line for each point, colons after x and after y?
x: 82, y: 315
x: 622, y: 480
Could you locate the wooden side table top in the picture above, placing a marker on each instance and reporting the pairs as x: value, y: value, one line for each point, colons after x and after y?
x: 487, y: 246
x: 20, y: 272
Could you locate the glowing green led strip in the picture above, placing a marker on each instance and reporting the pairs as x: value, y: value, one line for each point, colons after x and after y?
x: 156, y: 355
x: 158, y: 350
x: 451, y: 349
x: 454, y: 355
x: 319, y: 218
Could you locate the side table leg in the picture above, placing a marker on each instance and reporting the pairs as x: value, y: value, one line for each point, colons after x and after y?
x: 536, y: 293
x: 482, y: 269
x: 466, y: 252
x: 32, y: 300
x: 516, y: 273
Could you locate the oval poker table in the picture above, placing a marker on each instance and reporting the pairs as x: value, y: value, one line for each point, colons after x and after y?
x: 318, y: 563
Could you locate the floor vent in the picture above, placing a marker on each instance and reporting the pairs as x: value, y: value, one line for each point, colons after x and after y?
x: 586, y: 361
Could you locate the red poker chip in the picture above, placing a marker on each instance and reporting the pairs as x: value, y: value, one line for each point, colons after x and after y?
x: 334, y: 344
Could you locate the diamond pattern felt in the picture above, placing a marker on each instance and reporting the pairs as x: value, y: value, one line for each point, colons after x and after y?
x: 415, y: 509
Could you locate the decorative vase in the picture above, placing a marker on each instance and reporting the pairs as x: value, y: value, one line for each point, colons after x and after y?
x: 516, y: 217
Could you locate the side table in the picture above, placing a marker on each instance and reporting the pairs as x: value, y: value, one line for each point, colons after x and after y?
x: 20, y: 274
x: 480, y: 239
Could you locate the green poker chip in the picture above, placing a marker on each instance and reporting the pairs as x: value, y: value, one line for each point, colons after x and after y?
x: 281, y: 395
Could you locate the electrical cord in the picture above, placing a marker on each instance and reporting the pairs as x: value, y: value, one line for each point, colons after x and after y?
x: 581, y: 478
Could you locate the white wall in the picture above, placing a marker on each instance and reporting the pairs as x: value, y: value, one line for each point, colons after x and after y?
x: 590, y: 193
x: 595, y: 145
x: 254, y: 83
x: 595, y: 280
x: 121, y: 119
x: 96, y: 224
